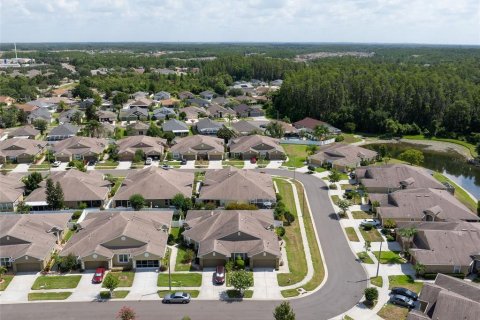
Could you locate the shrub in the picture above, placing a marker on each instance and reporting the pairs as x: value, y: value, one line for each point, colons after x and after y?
x: 76, y: 215
x: 367, y: 227
x: 210, y: 206
x: 311, y: 168
x: 289, y: 217
x: 163, y: 268
x: 339, y: 138
x: 389, y: 224
x: 82, y: 206
x: 189, y: 256
x: 371, y: 294
x: 390, y: 238
x: 240, y: 206
x: 385, y: 231
x: 280, y: 231
x: 333, y: 186
x: 67, y: 263
x: 171, y: 240
x: 229, y: 265
x: 279, y: 198
x: 239, y: 263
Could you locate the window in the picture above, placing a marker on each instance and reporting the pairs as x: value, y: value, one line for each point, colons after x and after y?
x: 5, y: 262
x: 123, y: 258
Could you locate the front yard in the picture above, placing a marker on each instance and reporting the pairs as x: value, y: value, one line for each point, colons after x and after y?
x: 389, y: 257
x: 362, y: 215
x: 125, y: 278
x: 364, y: 257
x: 236, y: 163
x: 371, y: 235
x: 107, y: 164
x: 234, y: 294
x: 405, y: 281
x: 56, y: 282
x: 180, y: 280
x: 6, y: 279
x: 34, y: 296
x: 227, y: 279
x: 39, y: 167
x: 120, y: 294
x: 392, y: 312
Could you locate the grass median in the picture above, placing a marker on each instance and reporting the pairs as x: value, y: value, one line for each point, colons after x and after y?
x: 36, y: 296
x: 180, y: 280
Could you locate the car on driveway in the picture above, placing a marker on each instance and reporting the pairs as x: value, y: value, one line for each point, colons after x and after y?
x: 253, y: 160
x: 177, y: 297
x: 219, y: 275
x: 56, y: 164
x: 405, y: 292
x: 165, y: 166
x: 91, y: 163
x: 403, y: 301
x: 183, y: 162
x: 98, y: 275
x: 372, y: 222
x: 148, y: 161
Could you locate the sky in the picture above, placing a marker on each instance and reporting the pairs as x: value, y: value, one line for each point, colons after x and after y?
x: 363, y: 21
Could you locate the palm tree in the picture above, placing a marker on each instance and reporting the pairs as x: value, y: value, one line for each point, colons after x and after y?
x: 312, y: 149
x: 407, y: 233
x: 229, y: 118
x: 320, y: 131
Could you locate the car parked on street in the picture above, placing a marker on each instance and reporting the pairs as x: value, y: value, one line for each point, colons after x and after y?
x: 177, y: 297
x: 402, y: 301
x: 405, y: 292
x: 98, y: 275
x: 219, y: 275
x: 372, y: 222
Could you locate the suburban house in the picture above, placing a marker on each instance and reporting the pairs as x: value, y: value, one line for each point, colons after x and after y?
x: 78, y: 187
x: 7, y: 100
x: 134, y: 114
x: 245, y: 111
x: 156, y: 185
x: 39, y: 113
x: 63, y: 131
x: 342, y: 156
x: 220, y: 101
x: 186, y: 95
x: 389, y: 178
x: 28, y: 240
x: 138, y: 128
x: 244, y: 128
x: 66, y: 116
x: 161, y: 95
x: 131, y: 239
x: 84, y: 104
x: 152, y: 147
x: 246, y: 99
x: 217, y: 111
x: 20, y: 150
x: 169, y: 103
x: 194, y: 112
x: 163, y: 112
x: 309, y: 124
x: 178, y: 128
x: 79, y: 148
x: 11, y: 192
x: 423, y: 204
x: 198, y: 147
x: 143, y: 103
x: 221, y: 235
x: 288, y: 129
x: 447, y: 298
x: 25, y: 132
x: 198, y: 102
x: 256, y: 146
x: 27, y: 108
x: 207, y: 126
x: 446, y: 247
x: 107, y: 116
x: 228, y: 185
x: 139, y: 95
x: 207, y: 95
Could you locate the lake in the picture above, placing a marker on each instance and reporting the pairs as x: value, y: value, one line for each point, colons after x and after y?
x: 452, y: 164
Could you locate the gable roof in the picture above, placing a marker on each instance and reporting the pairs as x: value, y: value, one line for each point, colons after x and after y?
x: 232, y: 184
x: 12, y: 187
x: 106, y: 114
x: 250, y: 143
x: 65, y: 129
x: 244, y: 127
x: 25, y: 131
x: 80, y: 145
x: 147, y: 144
x: 174, y: 125
x: 138, y: 125
x: 156, y: 183
x: 40, y: 113
x: 217, y: 109
x: 343, y: 154
x: 26, y: 107
x: 18, y: 146
x: 211, y: 230
x: 194, y: 144
x: 193, y: 112
x: 311, y: 124
x: 207, y: 123
x: 150, y: 228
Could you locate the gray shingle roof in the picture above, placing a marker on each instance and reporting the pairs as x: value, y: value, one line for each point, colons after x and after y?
x: 65, y: 129
x: 174, y: 125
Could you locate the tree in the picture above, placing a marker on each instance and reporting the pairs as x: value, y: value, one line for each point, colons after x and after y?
x: 82, y: 91
x: 477, y: 148
x: 349, y: 127
x: 91, y: 112
x: 154, y: 130
x: 23, y: 208
x: 334, y: 176
x: 76, y: 118
x: 225, y: 134
x: 32, y: 181
x: 126, y: 313
x: 3, y: 270
x: 241, y: 280
x: 284, y: 312
x: 182, y: 203
x: 60, y: 195
x: 371, y: 294
x: 169, y: 136
x: 137, y: 202
x: 113, y: 152
x: 412, y: 156
x: 343, y: 205
x: 407, y: 233
x: 182, y: 115
x: 139, y: 155
x: 41, y: 125
x: 93, y: 128
x: 321, y: 131
x: 54, y: 195
x: 367, y: 245
x: 111, y: 283
x: 312, y: 149
x: 419, y: 269
x: 120, y: 98
x: 66, y: 264
x: 274, y: 129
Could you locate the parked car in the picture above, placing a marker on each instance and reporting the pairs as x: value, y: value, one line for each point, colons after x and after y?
x: 183, y: 162
x: 91, y: 163
x: 148, y: 161
x: 405, y: 292
x: 165, y: 166
x: 98, y: 275
x: 219, y: 275
x: 56, y: 164
x: 402, y: 301
x: 372, y: 222
x: 177, y: 297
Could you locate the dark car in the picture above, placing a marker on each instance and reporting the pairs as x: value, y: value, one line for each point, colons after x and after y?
x: 91, y: 162
x: 183, y: 162
x: 177, y: 297
x: 402, y: 301
x: 98, y: 275
x: 253, y: 160
x: 219, y: 275
x: 405, y: 292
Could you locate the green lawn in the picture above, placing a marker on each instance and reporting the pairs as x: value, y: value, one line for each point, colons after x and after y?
x: 377, y: 281
x: 234, y: 294
x: 125, y: 278
x: 180, y: 280
x: 137, y: 165
x: 262, y: 163
x: 351, y: 234
x: 389, y: 257
x: 392, y: 312
x: 67, y: 235
x: 7, y: 278
x: 9, y: 166
x: 48, y: 296
x: 365, y: 258
x: 108, y: 164
x: 297, y: 262
x: 120, y: 294
x: 469, y: 146
x: 372, y: 235
x: 227, y: 279
x: 179, y: 266
x: 56, y: 282
x: 175, y: 232
x: 347, y: 186
x: 296, y: 154
x: 116, y: 185
x: 320, y: 169
x: 460, y: 194
x: 289, y: 293
x: 39, y: 167
x: 193, y: 293
x: 335, y: 199
x: 350, y: 138
x: 405, y: 281
x: 362, y: 215
x: 236, y: 163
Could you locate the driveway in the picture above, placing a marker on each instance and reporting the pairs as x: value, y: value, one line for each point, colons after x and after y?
x: 248, y: 165
x: 265, y: 284
x: 190, y: 165
x: 18, y: 289
x: 61, y: 167
x: 86, y: 290
x: 124, y: 165
x: 208, y: 289
x: 215, y: 164
x: 21, y: 167
x: 144, y: 285
x: 275, y: 164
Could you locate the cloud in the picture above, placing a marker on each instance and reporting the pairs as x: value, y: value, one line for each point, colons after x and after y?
x: 442, y: 21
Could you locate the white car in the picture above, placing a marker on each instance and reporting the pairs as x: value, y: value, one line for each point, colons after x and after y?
x: 56, y: 164
x: 148, y: 161
x: 372, y: 222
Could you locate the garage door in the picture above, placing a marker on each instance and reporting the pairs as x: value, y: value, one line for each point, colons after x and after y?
x: 96, y: 264
x: 189, y: 156
x: 213, y: 262
x: 264, y: 263
x: 147, y: 264
x: 28, y: 267
x: 216, y: 157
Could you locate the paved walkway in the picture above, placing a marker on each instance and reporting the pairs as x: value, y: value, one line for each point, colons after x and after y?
x: 18, y: 289
x: 265, y: 284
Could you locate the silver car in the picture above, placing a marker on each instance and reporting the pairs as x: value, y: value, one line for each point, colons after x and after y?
x: 177, y: 297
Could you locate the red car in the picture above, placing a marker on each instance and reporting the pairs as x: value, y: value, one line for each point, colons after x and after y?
x: 98, y: 275
x: 219, y: 276
x: 253, y: 160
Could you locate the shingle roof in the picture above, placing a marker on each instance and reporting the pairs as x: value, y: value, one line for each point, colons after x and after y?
x: 18, y: 146
x: 255, y: 143
x: 148, y: 144
x: 211, y: 230
x: 174, y: 125
x: 207, y: 123
x: 65, y: 129
x: 343, y: 154
x: 24, y: 131
x: 197, y: 143
x: 244, y: 127
x: 311, y: 124
x: 139, y: 125
x: 11, y: 187
x: 80, y: 145
x: 232, y: 184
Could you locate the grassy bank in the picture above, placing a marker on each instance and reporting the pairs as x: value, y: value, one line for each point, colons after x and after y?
x: 460, y: 194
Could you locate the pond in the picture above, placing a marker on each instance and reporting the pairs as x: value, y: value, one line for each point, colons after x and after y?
x: 452, y: 164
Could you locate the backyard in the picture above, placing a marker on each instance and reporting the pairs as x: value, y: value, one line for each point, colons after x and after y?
x: 405, y: 281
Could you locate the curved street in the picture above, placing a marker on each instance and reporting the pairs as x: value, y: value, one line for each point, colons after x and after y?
x: 342, y: 290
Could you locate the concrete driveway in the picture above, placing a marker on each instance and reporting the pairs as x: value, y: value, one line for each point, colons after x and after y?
x: 61, y: 167
x: 21, y: 167
x: 275, y: 164
x: 18, y: 289
x: 209, y: 290
x: 124, y: 165
x: 144, y: 285
x: 190, y: 165
x: 265, y: 284
x: 86, y: 290
x: 215, y: 164
x: 248, y: 165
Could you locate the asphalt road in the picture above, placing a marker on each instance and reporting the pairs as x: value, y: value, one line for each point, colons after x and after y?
x: 342, y: 290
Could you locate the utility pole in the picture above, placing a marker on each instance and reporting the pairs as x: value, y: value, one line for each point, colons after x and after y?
x: 379, y: 256
x: 169, y: 273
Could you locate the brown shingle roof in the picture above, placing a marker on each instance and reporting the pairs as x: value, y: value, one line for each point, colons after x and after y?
x: 24, y: 131
x: 11, y: 187
x: 255, y: 143
x: 149, y: 145
x: 343, y: 154
x: 80, y: 145
x: 197, y: 143
x: 17, y: 146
